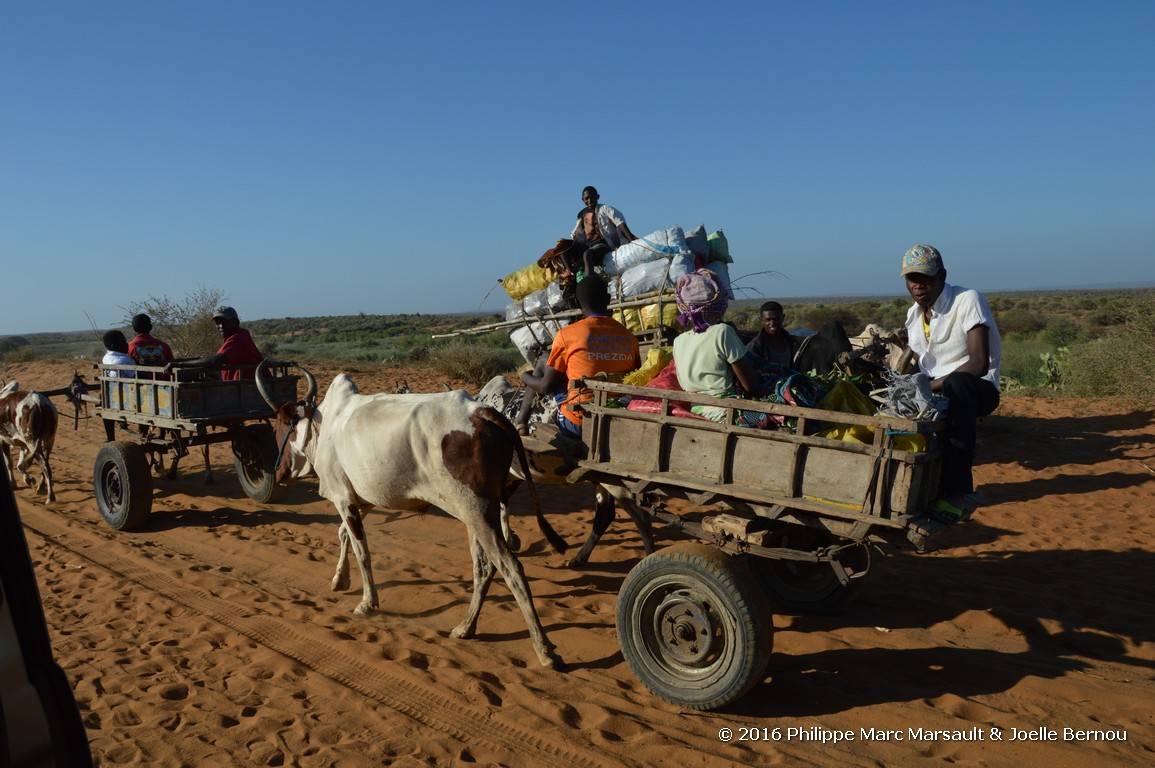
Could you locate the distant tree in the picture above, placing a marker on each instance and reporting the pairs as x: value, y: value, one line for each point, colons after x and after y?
x: 185, y: 323
x: 12, y: 343
x: 1021, y: 321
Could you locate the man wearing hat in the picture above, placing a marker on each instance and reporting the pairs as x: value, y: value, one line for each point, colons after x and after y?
x: 237, y: 348
x: 957, y: 345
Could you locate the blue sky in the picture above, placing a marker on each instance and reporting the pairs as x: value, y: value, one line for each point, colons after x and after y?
x: 313, y: 158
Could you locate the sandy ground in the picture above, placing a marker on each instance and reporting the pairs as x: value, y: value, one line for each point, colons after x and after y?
x: 211, y: 638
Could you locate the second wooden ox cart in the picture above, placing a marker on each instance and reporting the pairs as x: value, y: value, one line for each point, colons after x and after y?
x: 157, y: 415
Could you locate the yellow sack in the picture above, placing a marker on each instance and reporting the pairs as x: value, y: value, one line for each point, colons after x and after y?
x: 847, y: 398
x: 656, y: 359
x: 912, y: 443
x: 525, y: 281
x: 860, y: 433
x: 667, y: 318
x: 850, y: 433
x: 630, y: 318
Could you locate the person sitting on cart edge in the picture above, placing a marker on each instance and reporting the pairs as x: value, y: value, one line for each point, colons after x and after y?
x: 595, y: 344
x: 599, y: 230
x: 955, y: 340
x: 774, y: 343
x: 237, y: 348
x: 710, y: 358
x: 117, y: 354
x: 144, y: 348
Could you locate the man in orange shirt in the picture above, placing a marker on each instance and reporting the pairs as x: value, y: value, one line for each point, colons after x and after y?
x: 595, y: 344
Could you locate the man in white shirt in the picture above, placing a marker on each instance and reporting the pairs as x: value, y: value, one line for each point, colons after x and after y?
x: 955, y: 340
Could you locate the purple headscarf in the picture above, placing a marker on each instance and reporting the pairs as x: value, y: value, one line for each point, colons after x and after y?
x: 700, y: 296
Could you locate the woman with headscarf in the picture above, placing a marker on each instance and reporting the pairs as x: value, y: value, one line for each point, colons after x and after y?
x: 711, y: 359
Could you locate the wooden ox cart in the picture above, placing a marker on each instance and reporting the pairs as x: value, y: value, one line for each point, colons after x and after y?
x: 797, y: 522
x: 159, y: 415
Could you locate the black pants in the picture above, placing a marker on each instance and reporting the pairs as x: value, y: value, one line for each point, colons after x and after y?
x: 970, y: 397
x: 593, y: 256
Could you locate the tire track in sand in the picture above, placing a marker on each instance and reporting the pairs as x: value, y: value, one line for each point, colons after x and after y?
x: 422, y: 703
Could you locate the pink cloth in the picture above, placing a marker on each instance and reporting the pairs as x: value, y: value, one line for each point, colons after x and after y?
x: 666, y: 379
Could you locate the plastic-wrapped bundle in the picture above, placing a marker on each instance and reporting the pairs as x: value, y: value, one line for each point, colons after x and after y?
x: 537, y: 337
x: 652, y: 276
x: 699, y: 242
x: 722, y: 270
x: 656, y: 245
x: 540, y: 302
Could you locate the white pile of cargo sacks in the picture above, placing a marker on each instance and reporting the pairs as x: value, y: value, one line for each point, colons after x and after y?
x: 647, y: 268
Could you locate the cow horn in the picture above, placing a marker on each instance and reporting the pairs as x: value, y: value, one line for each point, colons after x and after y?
x: 263, y: 368
x: 260, y: 379
x: 311, y: 393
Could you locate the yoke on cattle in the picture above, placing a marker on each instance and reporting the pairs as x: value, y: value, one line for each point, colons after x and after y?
x: 158, y: 414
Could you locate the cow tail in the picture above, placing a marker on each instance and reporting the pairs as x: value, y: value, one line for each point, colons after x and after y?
x: 555, y: 541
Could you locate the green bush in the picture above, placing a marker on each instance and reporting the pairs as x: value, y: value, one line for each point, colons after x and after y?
x: 1107, y: 317
x: 1120, y: 363
x: 472, y: 362
x: 1065, y: 334
x: 21, y: 355
x: 1023, y: 322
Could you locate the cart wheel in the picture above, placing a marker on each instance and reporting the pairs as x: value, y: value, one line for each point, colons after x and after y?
x: 123, y: 485
x: 255, y: 459
x: 793, y: 586
x: 693, y: 627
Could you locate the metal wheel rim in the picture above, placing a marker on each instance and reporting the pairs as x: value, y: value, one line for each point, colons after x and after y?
x: 113, y: 485
x: 684, y: 633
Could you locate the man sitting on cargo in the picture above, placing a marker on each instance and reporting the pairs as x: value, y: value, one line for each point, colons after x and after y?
x: 237, y: 348
x: 595, y: 344
x: 600, y: 229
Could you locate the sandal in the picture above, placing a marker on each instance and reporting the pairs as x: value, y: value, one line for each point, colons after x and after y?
x: 945, y: 512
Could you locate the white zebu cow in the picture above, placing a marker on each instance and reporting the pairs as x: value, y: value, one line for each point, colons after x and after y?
x: 500, y: 394
x: 410, y: 452
x: 27, y: 421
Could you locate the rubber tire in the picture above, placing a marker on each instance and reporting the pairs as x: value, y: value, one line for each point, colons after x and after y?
x: 122, y: 484
x: 811, y: 589
x: 255, y: 460
x: 712, y: 594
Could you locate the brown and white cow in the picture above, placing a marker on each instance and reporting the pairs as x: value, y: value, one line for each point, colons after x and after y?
x: 27, y: 422
x: 411, y: 452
